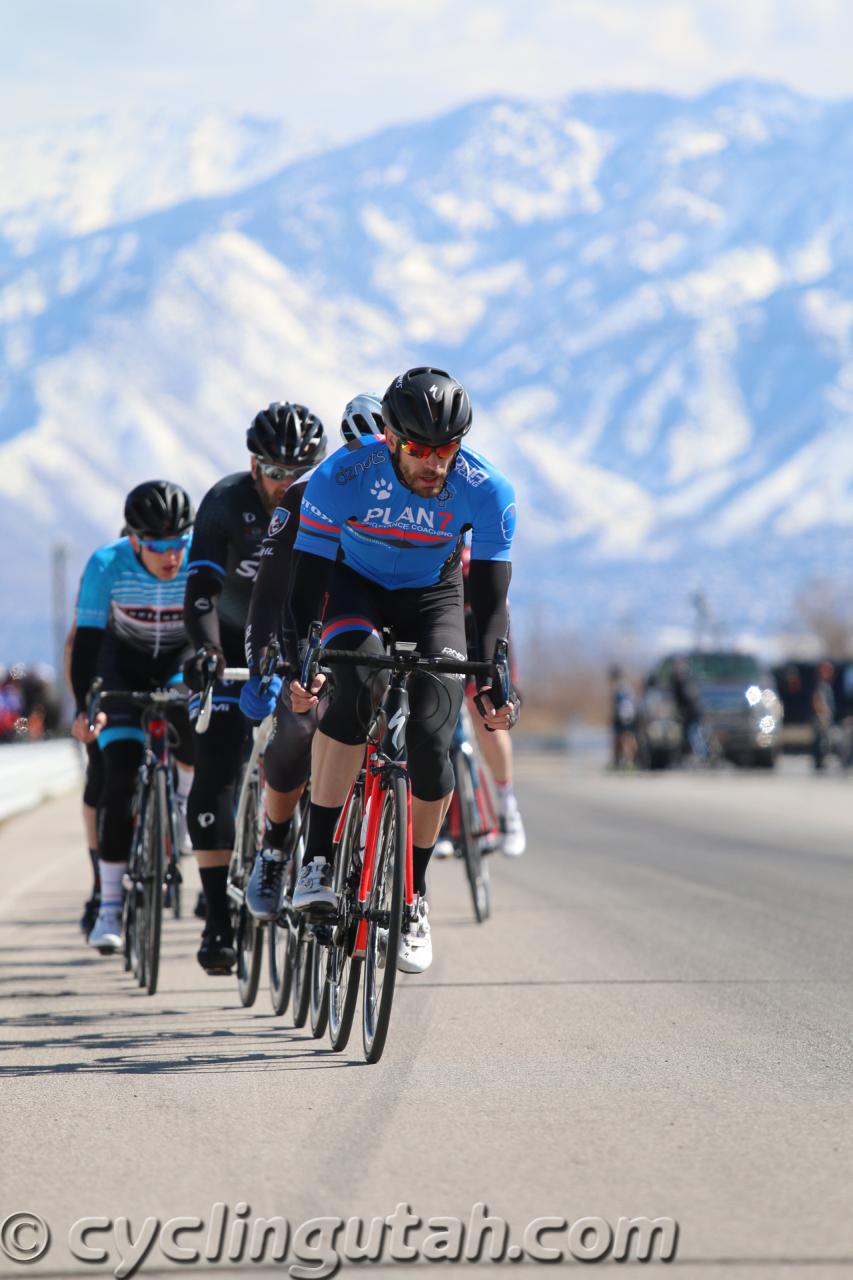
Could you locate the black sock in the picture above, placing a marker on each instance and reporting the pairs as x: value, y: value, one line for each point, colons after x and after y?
x: 321, y: 828
x: 420, y: 862
x: 96, y: 871
x: 214, y: 881
x: 276, y: 833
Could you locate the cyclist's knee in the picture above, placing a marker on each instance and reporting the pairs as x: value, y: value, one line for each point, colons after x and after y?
x: 355, y: 691
x: 287, y: 758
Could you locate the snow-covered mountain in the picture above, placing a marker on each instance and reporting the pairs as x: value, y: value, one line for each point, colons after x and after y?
x: 650, y: 300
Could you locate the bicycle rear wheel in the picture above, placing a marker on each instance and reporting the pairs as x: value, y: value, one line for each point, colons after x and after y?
x: 385, y: 915
x: 153, y: 870
x: 470, y: 844
x: 344, y: 967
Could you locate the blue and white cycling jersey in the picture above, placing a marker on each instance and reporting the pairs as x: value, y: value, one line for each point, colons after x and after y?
x: 390, y: 535
x: 118, y: 593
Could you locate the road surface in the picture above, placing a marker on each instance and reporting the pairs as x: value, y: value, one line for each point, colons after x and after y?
x: 655, y: 1023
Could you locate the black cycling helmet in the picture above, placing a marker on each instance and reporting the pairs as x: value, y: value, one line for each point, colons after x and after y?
x: 288, y: 434
x: 428, y: 406
x: 362, y: 421
x: 158, y: 509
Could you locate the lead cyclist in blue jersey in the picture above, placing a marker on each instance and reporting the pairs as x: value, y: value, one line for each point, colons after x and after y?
x: 380, y: 536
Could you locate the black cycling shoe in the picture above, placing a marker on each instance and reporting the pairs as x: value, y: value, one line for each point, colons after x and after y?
x: 201, y: 906
x: 263, y: 892
x: 217, y: 955
x: 90, y: 914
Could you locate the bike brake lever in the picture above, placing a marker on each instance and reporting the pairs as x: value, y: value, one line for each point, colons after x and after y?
x: 310, y: 663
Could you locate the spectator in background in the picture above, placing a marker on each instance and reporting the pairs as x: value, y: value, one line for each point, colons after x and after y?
x: 689, y: 708
x: 623, y: 720
x: 823, y: 714
x: 11, y: 704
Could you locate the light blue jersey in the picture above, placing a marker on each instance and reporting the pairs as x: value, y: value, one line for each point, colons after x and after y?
x: 388, y: 534
x: 118, y: 593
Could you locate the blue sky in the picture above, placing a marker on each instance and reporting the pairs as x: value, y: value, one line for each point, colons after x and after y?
x: 339, y: 68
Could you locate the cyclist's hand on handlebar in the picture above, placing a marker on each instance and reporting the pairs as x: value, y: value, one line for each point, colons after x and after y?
x: 496, y: 717
x: 257, y: 706
x: 302, y: 700
x: 80, y: 728
x: 207, y: 663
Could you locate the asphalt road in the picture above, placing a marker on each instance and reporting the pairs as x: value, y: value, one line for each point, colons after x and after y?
x: 655, y: 1023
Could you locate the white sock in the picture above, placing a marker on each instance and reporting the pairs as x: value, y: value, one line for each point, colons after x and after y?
x: 184, y: 782
x: 111, y: 890
x: 506, y: 797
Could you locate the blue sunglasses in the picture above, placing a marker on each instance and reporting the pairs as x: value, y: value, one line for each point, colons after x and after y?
x: 162, y: 545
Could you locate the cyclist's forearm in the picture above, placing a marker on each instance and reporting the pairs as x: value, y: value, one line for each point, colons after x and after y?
x: 201, y: 618
x: 266, y: 618
x: 308, y: 592
x: 488, y: 584
x: 84, y: 661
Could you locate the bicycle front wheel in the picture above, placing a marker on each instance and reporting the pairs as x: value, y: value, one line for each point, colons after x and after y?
x: 319, y: 1005
x: 153, y: 871
x: 249, y: 940
x: 476, y: 870
x: 384, y: 917
x: 344, y: 967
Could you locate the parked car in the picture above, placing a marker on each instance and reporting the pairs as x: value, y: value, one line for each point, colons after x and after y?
x: 740, y: 709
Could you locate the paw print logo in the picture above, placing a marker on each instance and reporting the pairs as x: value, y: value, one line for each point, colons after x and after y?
x: 380, y: 489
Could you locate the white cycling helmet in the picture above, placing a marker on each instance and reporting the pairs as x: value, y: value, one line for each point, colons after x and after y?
x: 362, y: 419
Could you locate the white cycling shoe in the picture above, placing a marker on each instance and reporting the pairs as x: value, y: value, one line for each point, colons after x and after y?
x: 313, y: 891
x: 106, y: 934
x: 414, y: 951
x: 513, y: 838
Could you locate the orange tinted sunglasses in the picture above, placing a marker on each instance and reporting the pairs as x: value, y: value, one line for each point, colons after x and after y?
x: 423, y: 451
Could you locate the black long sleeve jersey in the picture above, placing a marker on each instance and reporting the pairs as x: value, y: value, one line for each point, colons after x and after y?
x: 268, y: 617
x: 226, y: 551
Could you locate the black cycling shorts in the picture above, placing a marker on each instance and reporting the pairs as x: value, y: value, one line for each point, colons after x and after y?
x: 433, y: 617
x: 219, y: 756
x: 287, y: 756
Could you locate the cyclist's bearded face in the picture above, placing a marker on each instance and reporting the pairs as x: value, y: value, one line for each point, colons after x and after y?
x: 426, y: 478
x: 270, y: 491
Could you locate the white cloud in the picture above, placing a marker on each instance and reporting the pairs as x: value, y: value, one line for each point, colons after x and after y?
x: 345, y: 67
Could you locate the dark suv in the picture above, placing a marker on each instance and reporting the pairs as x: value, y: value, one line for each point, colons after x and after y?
x: 739, y: 705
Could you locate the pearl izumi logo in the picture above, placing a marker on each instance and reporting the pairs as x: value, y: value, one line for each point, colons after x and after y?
x: 206, y: 819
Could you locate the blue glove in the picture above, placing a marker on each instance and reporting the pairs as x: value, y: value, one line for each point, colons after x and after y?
x: 255, y: 706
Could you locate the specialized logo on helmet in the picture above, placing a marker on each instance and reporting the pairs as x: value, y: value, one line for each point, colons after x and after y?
x: 435, y: 392
x: 380, y: 489
x: 279, y: 519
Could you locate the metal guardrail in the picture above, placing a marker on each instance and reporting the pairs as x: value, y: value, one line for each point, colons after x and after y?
x: 32, y: 772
